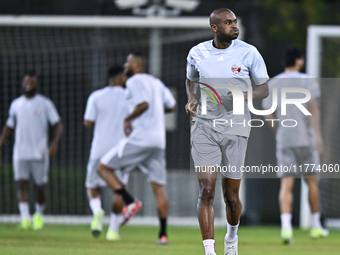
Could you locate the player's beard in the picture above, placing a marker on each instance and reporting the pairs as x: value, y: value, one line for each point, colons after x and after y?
x: 129, y: 73
x: 30, y: 93
x: 228, y: 37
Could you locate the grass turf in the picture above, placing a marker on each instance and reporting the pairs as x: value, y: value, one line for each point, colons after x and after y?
x: 77, y: 240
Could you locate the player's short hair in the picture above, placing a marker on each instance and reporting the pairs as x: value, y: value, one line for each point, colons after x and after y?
x: 138, y: 54
x: 141, y: 57
x: 220, y: 10
x: 114, y: 71
x: 217, y: 12
x: 291, y: 55
x: 31, y: 73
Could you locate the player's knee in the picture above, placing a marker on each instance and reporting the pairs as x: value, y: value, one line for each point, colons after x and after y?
x: 311, y: 182
x: 207, y: 194
x: 162, y: 202
x: 23, y: 185
x: 161, y: 194
x: 40, y: 188
x: 233, y: 202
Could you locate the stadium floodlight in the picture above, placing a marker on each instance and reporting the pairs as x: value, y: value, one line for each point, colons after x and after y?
x: 157, y: 7
x: 186, y: 5
x: 126, y: 4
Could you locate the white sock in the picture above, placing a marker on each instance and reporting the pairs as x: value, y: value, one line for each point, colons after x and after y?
x: 316, y: 220
x: 95, y: 204
x: 209, y: 246
x: 115, y: 222
x: 24, y: 210
x: 231, y: 232
x: 286, y: 221
x: 40, y: 208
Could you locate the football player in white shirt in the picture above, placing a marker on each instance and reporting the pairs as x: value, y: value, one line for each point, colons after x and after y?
x: 297, y: 145
x: 105, y: 111
x: 223, y: 60
x: 30, y: 115
x: 144, y: 147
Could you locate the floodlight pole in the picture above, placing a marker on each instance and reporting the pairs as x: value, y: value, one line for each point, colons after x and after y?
x: 155, y: 44
x: 155, y: 37
x: 155, y: 52
x: 156, y: 8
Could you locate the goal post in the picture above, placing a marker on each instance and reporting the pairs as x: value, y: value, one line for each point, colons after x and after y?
x: 323, y: 47
x: 314, y: 46
x: 154, y: 23
x: 102, y: 22
x: 72, y: 54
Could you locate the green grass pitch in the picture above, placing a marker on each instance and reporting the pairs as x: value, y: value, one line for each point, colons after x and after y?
x: 77, y: 240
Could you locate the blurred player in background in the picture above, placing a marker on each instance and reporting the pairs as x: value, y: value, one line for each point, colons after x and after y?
x: 105, y: 112
x: 221, y: 61
x: 30, y: 116
x: 297, y: 145
x: 144, y: 147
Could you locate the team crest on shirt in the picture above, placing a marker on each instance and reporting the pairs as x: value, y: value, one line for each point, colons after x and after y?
x: 235, y: 68
x: 37, y: 112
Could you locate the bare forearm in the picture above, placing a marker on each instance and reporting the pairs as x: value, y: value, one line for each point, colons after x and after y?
x: 88, y: 124
x: 271, y: 122
x: 191, y: 87
x: 5, y: 134
x: 315, y: 119
x: 168, y: 110
x: 261, y: 92
x: 138, y: 111
x: 57, y: 132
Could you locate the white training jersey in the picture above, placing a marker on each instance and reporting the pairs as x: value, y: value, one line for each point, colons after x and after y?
x: 303, y: 134
x: 148, y: 129
x: 234, y: 65
x: 30, y: 118
x: 107, y: 108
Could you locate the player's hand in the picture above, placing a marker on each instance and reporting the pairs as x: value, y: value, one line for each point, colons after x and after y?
x: 189, y: 107
x: 319, y: 144
x: 53, y: 150
x: 245, y: 94
x: 127, y: 127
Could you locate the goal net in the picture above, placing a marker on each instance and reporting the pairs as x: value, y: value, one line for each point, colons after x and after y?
x: 71, y: 55
x: 323, y: 61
